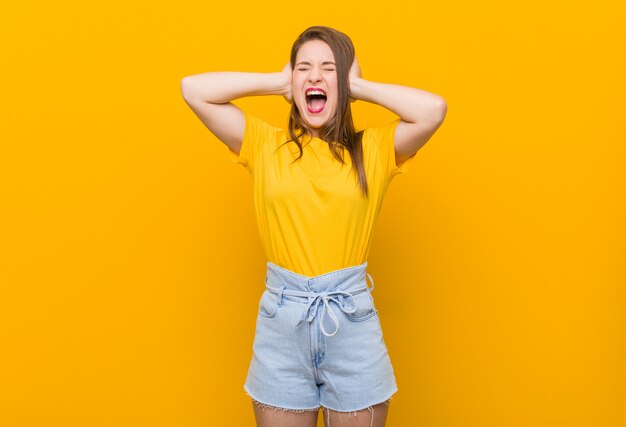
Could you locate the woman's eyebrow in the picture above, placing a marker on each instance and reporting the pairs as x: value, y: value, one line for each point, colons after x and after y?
x: 308, y: 63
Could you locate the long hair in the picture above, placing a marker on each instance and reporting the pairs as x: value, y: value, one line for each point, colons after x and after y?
x: 339, y: 131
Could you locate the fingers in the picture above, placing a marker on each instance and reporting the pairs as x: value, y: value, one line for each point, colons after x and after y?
x: 355, y: 69
x: 353, y: 75
x: 286, y: 71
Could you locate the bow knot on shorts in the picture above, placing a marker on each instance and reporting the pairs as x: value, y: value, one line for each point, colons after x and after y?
x: 325, y: 297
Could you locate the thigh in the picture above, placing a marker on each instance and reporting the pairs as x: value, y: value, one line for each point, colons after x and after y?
x: 372, y: 416
x: 274, y: 417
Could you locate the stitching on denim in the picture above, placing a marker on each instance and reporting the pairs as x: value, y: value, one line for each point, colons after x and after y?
x: 265, y: 314
x: 304, y: 300
x: 362, y: 318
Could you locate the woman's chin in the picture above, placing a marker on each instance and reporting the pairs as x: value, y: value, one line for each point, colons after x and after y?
x: 316, y: 120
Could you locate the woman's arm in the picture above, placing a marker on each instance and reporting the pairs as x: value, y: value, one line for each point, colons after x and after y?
x: 209, y: 95
x: 421, y: 112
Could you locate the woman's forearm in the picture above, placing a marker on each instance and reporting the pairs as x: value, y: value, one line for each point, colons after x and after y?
x: 224, y: 86
x: 411, y: 104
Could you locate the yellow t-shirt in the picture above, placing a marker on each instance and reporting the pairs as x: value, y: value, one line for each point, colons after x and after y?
x: 311, y: 214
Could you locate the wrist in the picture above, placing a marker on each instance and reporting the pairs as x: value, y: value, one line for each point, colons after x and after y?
x: 281, y: 83
x: 356, y: 87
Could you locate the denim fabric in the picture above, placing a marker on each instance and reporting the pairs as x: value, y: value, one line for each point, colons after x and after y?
x: 319, y: 342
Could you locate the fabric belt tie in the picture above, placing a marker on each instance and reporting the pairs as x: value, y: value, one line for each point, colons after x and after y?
x: 315, y: 298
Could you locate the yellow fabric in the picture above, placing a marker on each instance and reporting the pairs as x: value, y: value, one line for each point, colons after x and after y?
x: 311, y: 215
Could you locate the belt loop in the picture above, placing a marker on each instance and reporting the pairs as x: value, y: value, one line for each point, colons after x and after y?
x: 371, y: 280
x: 280, y: 294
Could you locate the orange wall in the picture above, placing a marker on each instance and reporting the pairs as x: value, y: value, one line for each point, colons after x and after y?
x: 132, y: 267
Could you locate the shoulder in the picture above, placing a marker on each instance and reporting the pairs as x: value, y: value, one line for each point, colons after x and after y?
x: 381, y: 132
x: 263, y: 133
x: 260, y: 126
x: 380, y: 137
x: 380, y: 141
x: 259, y: 135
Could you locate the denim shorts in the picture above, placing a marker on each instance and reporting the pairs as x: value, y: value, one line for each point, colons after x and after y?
x: 319, y: 342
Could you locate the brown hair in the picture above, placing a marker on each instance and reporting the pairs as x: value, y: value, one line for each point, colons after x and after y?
x: 339, y: 131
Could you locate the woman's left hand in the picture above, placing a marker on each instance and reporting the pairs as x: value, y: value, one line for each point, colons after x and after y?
x: 353, y: 75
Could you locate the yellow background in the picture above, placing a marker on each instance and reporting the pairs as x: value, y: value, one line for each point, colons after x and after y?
x: 131, y: 265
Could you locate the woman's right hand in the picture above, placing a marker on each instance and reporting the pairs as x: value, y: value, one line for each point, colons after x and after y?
x: 286, y: 74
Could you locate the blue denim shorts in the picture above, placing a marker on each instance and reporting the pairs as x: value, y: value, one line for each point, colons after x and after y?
x: 319, y: 342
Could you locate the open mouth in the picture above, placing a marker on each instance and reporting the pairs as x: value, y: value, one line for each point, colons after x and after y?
x: 315, y: 100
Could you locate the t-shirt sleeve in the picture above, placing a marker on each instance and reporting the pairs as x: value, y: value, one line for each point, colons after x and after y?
x: 257, y: 133
x: 382, y: 137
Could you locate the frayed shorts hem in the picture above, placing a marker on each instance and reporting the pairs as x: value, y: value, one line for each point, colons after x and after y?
x: 278, y: 407
x: 378, y: 401
x: 316, y: 408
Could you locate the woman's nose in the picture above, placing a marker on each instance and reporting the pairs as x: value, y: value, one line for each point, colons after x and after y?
x: 315, y: 75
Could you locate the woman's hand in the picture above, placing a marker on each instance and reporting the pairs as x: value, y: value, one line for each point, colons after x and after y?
x: 353, y: 75
x: 286, y: 81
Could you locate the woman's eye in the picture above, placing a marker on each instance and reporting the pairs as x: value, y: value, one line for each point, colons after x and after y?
x: 329, y: 69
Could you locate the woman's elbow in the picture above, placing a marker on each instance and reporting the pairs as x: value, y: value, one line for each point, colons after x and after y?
x: 189, y: 87
x: 186, y: 87
x: 442, y: 109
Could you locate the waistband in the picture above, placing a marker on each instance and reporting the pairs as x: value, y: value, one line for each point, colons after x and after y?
x: 337, y: 286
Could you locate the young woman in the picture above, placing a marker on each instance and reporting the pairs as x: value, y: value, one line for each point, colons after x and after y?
x: 318, y: 188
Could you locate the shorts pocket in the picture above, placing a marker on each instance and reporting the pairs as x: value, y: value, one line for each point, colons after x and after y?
x: 365, y: 307
x: 268, y: 305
